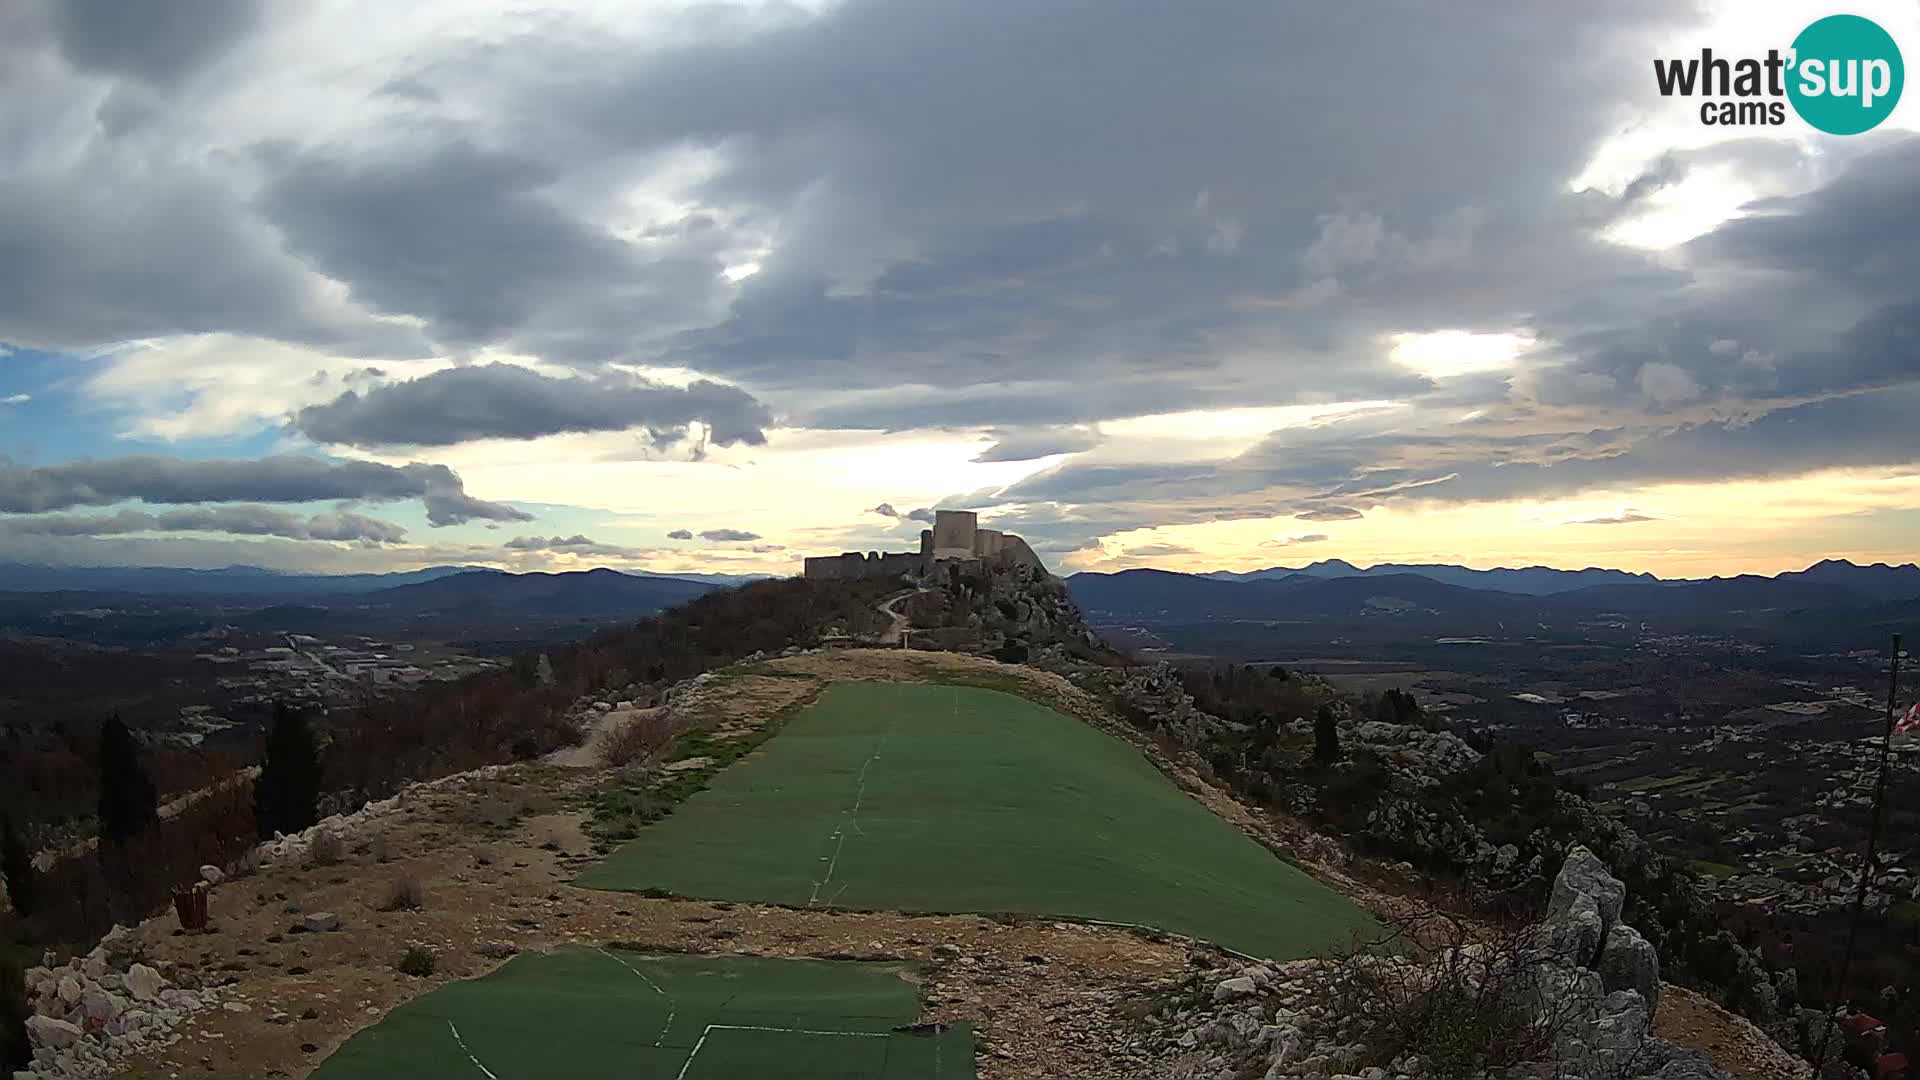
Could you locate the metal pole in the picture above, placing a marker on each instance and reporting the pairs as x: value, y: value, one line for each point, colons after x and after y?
x: 1873, y: 844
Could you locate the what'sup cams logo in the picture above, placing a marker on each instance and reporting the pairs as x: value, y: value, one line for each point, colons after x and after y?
x: 1843, y: 75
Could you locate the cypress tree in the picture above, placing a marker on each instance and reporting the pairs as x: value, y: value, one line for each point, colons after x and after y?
x: 286, y: 798
x: 15, y: 1051
x: 129, y: 804
x: 1326, y: 735
x: 17, y: 864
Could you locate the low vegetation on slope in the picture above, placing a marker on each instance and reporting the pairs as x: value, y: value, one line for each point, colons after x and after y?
x: 945, y: 798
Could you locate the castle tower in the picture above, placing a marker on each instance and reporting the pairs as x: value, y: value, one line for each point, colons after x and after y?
x: 953, y: 533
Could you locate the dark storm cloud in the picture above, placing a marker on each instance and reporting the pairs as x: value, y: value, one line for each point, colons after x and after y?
x: 471, y: 240
x: 680, y: 534
x: 1791, y: 349
x: 504, y: 401
x: 1199, y: 228
x: 1807, y: 295
x: 729, y: 535
x: 115, y: 250
x: 282, y: 479
x: 454, y: 233
x: 239, y: 520
x: 159, y: 43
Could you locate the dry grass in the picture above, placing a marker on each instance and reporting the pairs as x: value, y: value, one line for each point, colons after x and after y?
x: 1468, y: 999
x: 406, y: 894
x: 636, y: 738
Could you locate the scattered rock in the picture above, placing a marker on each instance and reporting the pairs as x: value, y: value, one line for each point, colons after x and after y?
x: 320, y: 922
x: 143, y: 982
x: 54, y: 1034
x: 1237, y: 987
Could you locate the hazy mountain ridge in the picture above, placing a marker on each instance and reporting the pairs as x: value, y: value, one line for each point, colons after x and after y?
x: 258, y: 582
x: 1336, y: 588
x: 584, y: 593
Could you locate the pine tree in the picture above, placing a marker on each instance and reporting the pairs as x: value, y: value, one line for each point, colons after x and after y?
x: 17, y: 864
x: 129, y: 804
x: 1326, y: 735
x: 286, y: 798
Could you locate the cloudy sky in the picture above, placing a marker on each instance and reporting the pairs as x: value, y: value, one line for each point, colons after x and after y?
x: 348, y: 285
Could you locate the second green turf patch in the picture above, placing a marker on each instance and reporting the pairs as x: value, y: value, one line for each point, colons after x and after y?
x: 953, y: 799
x: 605, y: 1014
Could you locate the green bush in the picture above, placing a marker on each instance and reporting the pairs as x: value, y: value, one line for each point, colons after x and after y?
x: 417, y: 962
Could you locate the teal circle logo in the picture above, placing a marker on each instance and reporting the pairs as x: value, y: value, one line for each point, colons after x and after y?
x: 1847, y: 75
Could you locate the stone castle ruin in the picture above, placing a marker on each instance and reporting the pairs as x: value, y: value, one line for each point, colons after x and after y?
x: 956, y: 536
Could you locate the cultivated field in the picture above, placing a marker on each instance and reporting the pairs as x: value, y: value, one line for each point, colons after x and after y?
x: 902, y: 797
x: 589, y: 1013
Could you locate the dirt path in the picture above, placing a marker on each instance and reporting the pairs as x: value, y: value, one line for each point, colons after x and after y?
x: 588, y: 754
x: 892, y: 634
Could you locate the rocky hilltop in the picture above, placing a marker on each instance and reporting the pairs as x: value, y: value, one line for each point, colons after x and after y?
x: 1571, y: 997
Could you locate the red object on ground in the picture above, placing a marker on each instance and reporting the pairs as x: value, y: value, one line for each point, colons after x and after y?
x: 1860, y: 1023
x: 1889, y: 1066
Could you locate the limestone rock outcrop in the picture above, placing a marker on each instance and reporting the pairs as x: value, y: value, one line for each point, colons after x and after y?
x: 94, y: 1010
x: 1585, y: 983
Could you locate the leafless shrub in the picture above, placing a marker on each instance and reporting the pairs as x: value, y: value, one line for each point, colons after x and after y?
x: 636, y: 738
x: 407, y: 894
x: 327, y: 848
x: 1467, y: 997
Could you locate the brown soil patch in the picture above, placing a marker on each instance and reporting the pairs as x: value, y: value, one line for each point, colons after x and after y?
x: 1690, y: 1019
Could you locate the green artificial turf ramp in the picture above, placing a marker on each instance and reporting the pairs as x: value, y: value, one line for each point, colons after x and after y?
x: 898, y: 797
x: 589, y: 1014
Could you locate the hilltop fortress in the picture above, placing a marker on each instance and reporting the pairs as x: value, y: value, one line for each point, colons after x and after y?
x: 956, y: 536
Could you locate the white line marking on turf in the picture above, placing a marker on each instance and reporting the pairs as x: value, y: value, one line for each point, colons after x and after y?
x: 672, y: 1006
x: 711, y: 1028
x: 469, y: 1053
x: 852, y: 819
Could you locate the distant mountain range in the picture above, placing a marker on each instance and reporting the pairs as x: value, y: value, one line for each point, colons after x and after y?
x: 1531, y: 580
x: 1334, y: 588
x: 256, y: 582
x: 584, y: 594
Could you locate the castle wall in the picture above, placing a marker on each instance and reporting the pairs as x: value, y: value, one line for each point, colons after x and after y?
x: 988, y: 542
x: 956, y: 534
x: 953, y: 533
x: 854, y: 565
